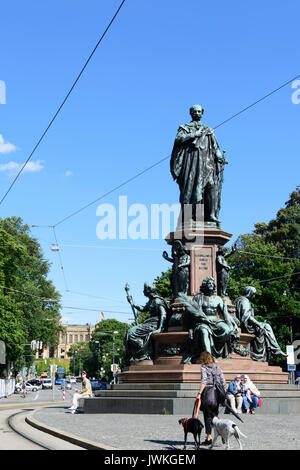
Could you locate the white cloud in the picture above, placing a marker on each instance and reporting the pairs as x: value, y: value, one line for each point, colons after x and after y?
x: 34, y: 166
x: 6, y: 147
x: 68, y: 173
x: 14, y: 167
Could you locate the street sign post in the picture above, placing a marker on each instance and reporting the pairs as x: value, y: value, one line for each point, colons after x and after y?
x: 290, y: 360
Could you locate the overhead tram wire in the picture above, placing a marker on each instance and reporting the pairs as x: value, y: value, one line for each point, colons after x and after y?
x: 112, y: 190
x: 166, y: 158
x: 60, y: 258
x: 63, y: 102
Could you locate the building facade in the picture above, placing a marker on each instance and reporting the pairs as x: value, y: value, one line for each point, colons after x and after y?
x: 71, y: 335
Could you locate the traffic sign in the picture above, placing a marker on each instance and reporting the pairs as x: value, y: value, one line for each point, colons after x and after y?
x: 290, y: 359
x: 291, y: 367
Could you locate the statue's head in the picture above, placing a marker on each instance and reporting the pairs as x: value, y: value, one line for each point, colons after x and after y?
x: 223, y: 250
x: 149, y: 289
x: 249, y: 292
x: 178, y: 247
x: 196, y: 112
x: 208, y: 285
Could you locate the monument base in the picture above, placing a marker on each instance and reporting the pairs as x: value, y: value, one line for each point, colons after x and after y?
x: 168, y: 366
x: 179, y: 399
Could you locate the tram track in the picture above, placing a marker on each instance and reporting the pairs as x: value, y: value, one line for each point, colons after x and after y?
x: 17, y: 434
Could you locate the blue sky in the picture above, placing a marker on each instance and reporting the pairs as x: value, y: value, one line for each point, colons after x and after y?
x: 157, y: 60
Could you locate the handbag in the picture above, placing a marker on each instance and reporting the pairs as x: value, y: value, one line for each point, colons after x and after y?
x: 220, y: 392
x: 209, y: 398
x: 259, y: 402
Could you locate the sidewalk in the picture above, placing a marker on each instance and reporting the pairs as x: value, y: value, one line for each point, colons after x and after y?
x: 162, y: 432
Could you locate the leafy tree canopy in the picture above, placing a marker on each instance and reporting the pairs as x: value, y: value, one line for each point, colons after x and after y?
x: 29, y: 302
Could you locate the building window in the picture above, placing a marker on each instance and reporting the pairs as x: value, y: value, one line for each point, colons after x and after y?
x: 70, y: 339
x: 76, y: 338
x: 81, y: 337
x: 87, y: 338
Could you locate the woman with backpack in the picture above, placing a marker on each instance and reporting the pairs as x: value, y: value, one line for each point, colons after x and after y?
x: 211, y: 374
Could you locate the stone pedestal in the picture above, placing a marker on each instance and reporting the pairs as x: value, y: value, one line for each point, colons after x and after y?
x: 168, y: 367
x: 203, y: 243
x: 171, y: 347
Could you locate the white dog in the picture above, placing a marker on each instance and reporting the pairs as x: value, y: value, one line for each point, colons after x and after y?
x: 225, y: 429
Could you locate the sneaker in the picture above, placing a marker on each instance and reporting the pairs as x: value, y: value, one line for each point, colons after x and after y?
x: 73, y: 411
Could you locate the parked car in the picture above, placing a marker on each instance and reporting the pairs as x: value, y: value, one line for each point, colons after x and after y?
x: 96, y: 385
x: 47, y: 383
x: 35, y: 382
x: 29, y: 387
x: 72, y: 379
x: 66, y: 385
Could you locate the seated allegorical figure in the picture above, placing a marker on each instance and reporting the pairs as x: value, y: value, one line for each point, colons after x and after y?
x: 264, y: 345
x: 211, y: 327
x: 138, y: 338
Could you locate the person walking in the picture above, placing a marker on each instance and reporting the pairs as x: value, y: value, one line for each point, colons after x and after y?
x: 86, y: 391
x: 234, y: 394
x: 209, y: 404
x: 251, y: 395
x: 23, y: 388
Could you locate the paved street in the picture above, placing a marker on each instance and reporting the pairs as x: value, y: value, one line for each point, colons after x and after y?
x: 40, y: 396
x: 162, y: 432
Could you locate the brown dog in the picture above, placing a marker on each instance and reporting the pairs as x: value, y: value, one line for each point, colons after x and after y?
x: 194, y: 426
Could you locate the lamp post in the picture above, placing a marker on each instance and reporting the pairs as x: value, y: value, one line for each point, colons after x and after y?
x: 114, y: 373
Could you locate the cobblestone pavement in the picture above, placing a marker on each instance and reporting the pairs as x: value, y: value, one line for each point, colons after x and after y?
x: 162, y: 432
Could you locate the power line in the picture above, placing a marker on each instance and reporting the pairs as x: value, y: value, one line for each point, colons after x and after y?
x: 271, y: 279
x: 258, y: 101
x: 95, y: 309
x: 60, y: 258
x: 112, y: 190
x: 268, y: 256
x: 45, y: 299
x: 165, y: 158
x: 63, y: 102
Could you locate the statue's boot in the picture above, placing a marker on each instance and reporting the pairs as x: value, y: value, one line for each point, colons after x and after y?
x: 211, y: 199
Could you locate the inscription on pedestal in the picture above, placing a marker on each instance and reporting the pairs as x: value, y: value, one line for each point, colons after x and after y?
x: 202, y: 265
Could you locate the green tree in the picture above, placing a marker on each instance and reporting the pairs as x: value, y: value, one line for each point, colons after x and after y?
x: 269, y: 260
x: 163, y: 284
x: 29, y: 303
x: 104, y: 344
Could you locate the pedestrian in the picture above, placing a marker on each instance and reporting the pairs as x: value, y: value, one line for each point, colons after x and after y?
x: 23, y: 388
x: 104, y: 383
x: 86, y: 391
x: 209, y: 403
x: 251, y: 395
x: 234, y: 394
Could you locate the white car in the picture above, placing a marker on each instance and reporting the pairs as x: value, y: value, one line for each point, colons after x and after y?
x: 29, y: 387
x: 46, y: 384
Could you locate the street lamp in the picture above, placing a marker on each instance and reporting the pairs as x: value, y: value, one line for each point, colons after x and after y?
x: 114, y: 373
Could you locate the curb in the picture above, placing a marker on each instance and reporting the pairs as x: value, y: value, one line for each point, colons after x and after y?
x: 85, y: 443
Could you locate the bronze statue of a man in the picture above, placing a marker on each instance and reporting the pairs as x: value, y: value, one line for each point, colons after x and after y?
x: 197, y: 166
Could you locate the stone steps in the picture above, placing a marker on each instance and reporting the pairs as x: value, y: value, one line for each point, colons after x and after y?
x: 179, y: 399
